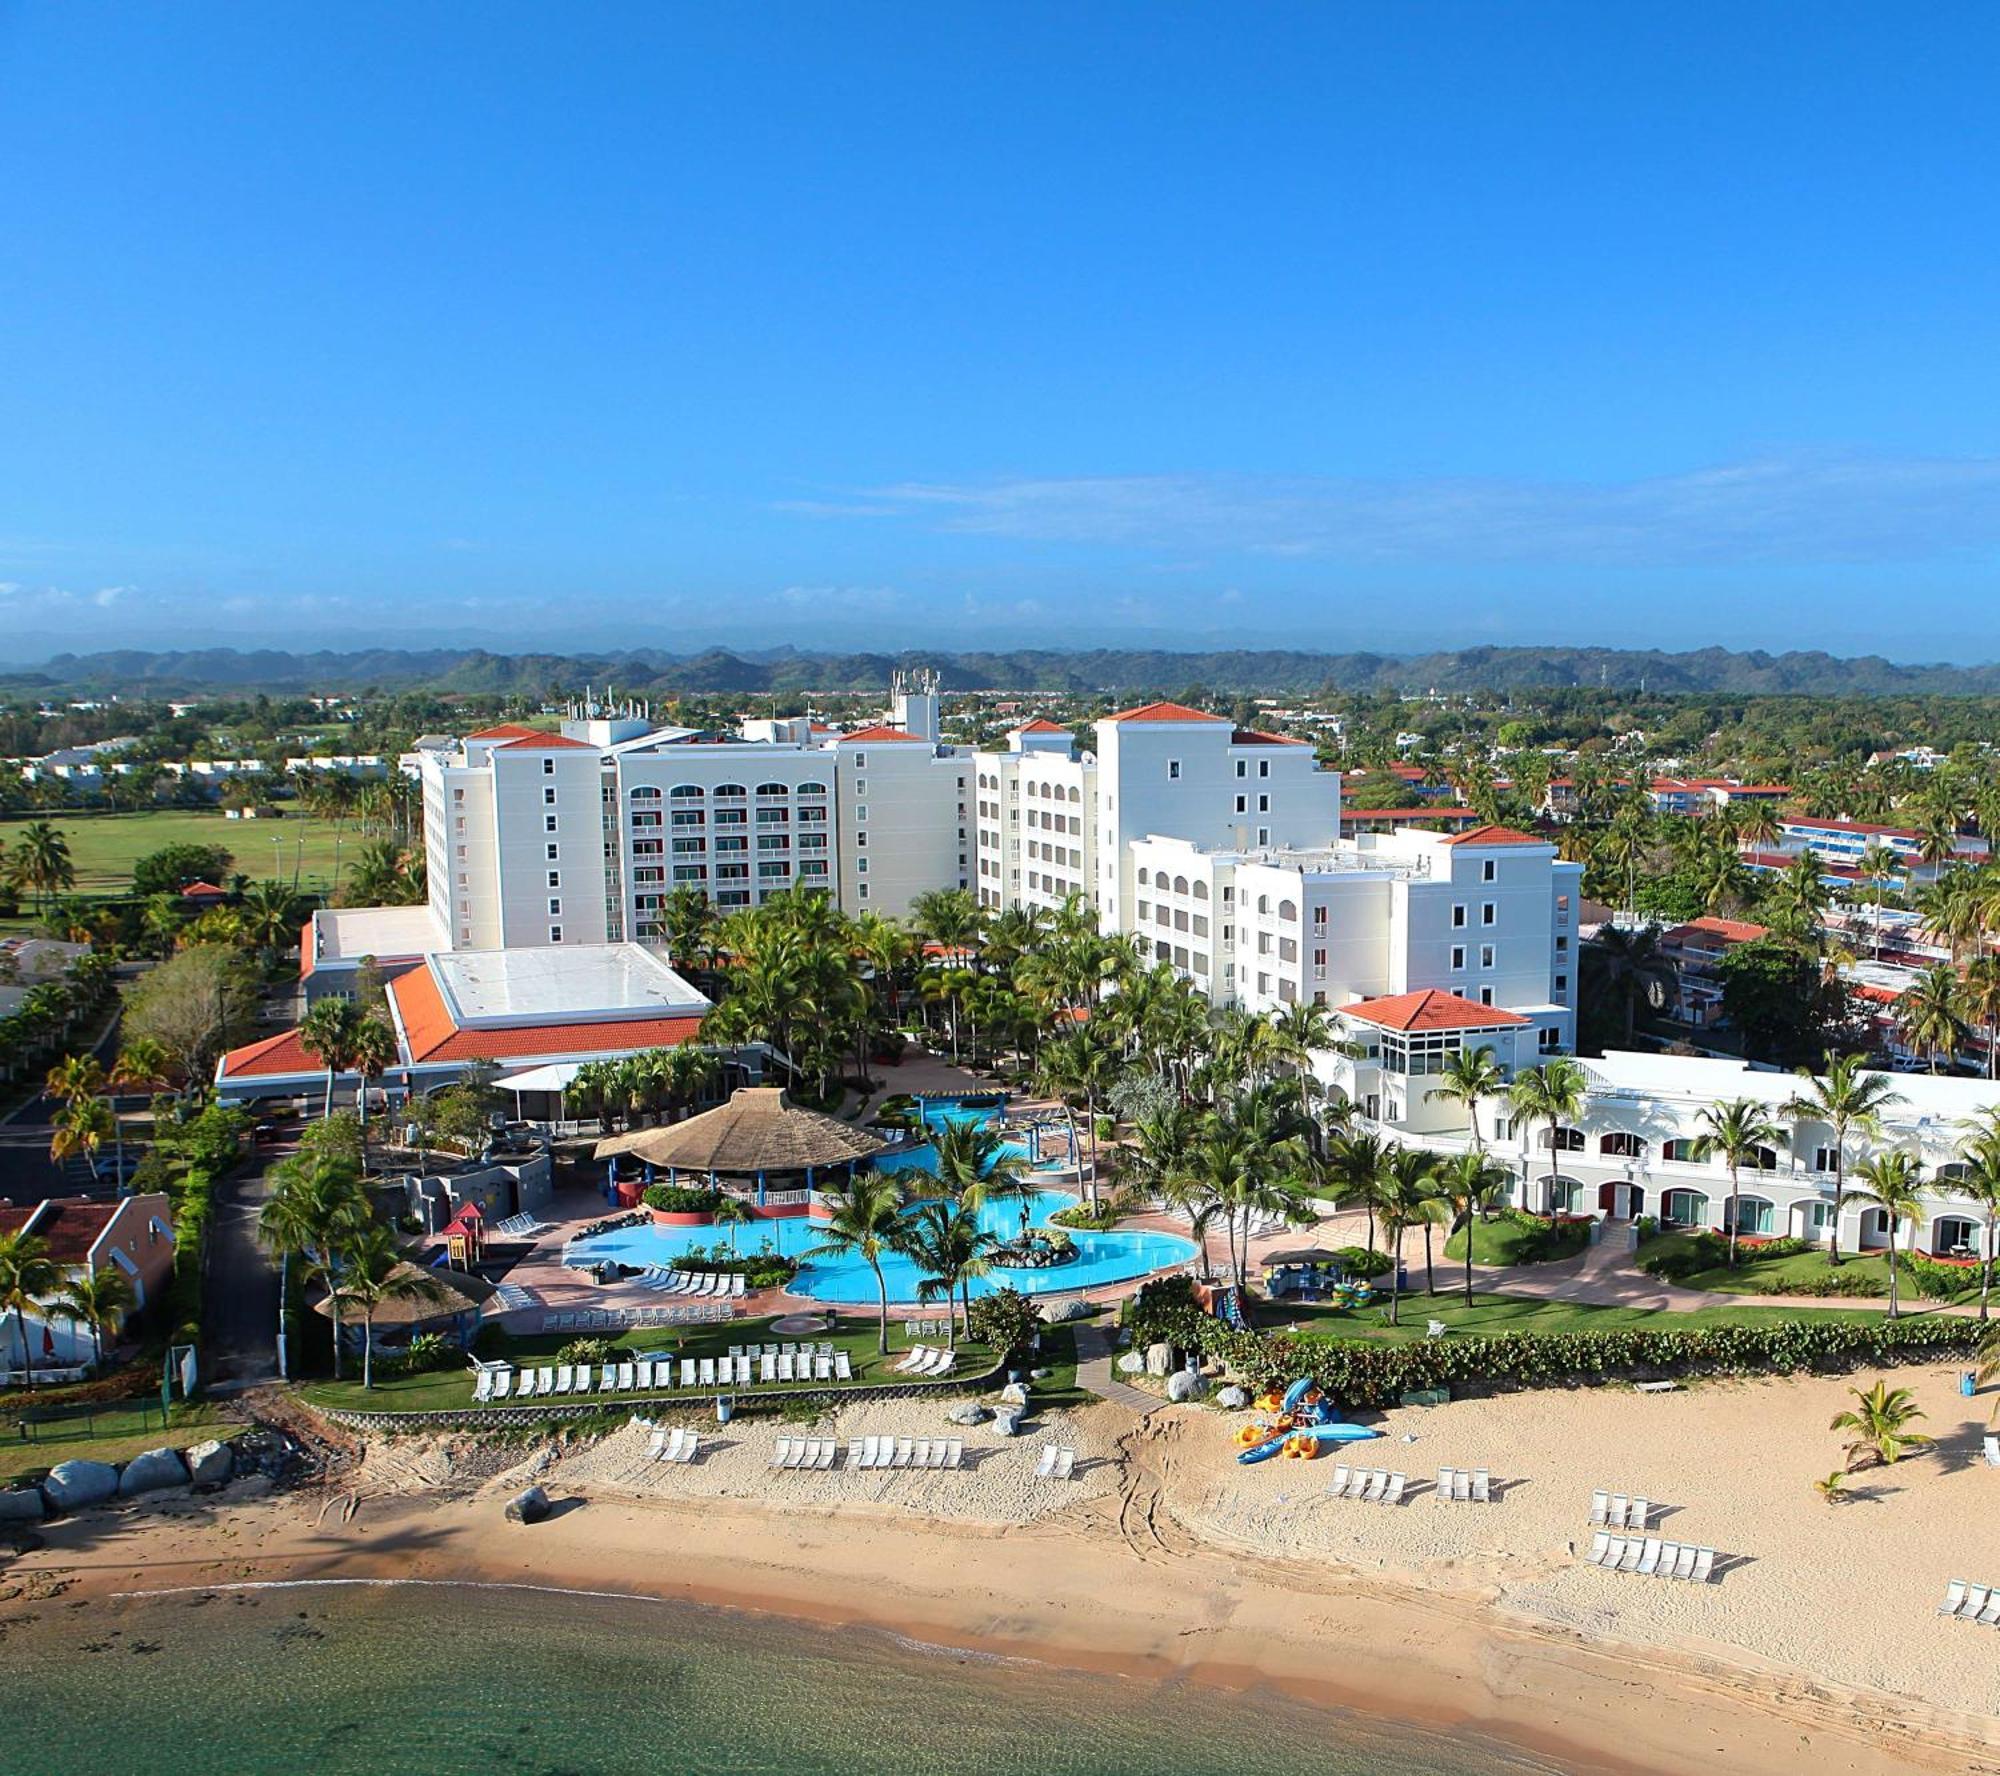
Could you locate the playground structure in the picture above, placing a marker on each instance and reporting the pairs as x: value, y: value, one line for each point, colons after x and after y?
x: 1302, y: 1423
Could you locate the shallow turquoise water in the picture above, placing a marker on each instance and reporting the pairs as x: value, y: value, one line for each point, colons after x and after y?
x: 1101, y: 1257
x: 472, y: 1682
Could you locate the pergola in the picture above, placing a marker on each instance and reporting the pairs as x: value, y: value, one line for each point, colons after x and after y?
x: 760, y: 1139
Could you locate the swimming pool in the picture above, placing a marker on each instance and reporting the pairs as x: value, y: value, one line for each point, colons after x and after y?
x: 1101, y: 1257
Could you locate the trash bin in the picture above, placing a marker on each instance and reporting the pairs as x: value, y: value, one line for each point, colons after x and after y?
x: 1402, y: 1277
x: 725, y: 1409
x: 1968, y: 1382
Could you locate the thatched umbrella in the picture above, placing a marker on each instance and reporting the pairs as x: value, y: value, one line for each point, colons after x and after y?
x: 758, y: 1132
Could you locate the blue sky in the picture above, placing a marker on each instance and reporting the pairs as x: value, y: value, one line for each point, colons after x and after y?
x: 1339, y: 325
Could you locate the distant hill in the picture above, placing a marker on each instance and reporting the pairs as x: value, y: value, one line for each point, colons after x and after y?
x: 641, y: 670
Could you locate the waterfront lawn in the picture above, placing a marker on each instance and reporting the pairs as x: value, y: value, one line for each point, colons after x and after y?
x: 1058, y: 1357
x: 1492, y: 1315
x: 1511, y: 1239
x: 1866, y: 1274
x: 112, y: 1433
x: 448, y: 1390
x: 104, y: 847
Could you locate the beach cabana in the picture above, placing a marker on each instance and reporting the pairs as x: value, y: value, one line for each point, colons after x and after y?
x: 759, y: 1144
x: 453, y: 1313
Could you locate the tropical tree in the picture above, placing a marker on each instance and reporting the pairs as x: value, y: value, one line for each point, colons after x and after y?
x: 1892, y: 1182
x: 82, y: 1128
x: 1735, y: 1132
x: 28, y: 1277
x: 100, y: 1301
x: 1469, y: 1183
x: 313, y: 1208
x: 1355, y: 1169
x: 1849, y: 1099
x: 41, y: 861
x: 1880, y: 865
x: 1408, y: 1200
x: 1470, y: 1076
x: 1879, y: 1425
x: 75, y: 1078
x: 372, y: 1273
x: 1079, y: 1070
x: 1928, y: 1012
x: 372, y: 1051
x: 731, y: 1212
x: 328, y: 1033
x: 1629, y: 969
x: 270, y: 913
x: 1553, y: 1094
x: 1980, y: 1000
x: 864, y: 1225
x: 1978, y: 1181
x: 945, y: 1241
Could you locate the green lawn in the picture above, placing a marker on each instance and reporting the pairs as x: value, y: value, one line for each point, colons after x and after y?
x: 1058, y: 1357
x: 1505, y: 1240
x: 1760, y: 1276
x: 104, y: 847
x: 115, y: 1433
x: 1493, y: 1314
x: 448, y: 1390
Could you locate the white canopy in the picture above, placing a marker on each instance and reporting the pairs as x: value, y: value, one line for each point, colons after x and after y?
x: 557, y: 1076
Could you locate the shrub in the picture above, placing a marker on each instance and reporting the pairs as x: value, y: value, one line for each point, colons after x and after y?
x: 1704, y: 1249
x: 1542, y: 1240
x: 1100, y: 1219
x: 1362, y: 1261
x: 587, y: 1350
x: 1007, y: 1321
x: 1935, y: 1281
x: 682, y: 1199
x: 1835, y: 1282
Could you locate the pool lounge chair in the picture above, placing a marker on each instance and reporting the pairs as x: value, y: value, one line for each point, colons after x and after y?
x: 739, y: 1285
x: 1976, y: 1598
x: 954, y: 1453
x: 781, y: 1452
x: 871, y: 1453
x: 917, y: 1353
x: 795, y: 1456
x: 1442, y: 1492
x: 482, y: 1388
x: 784, y: 1368
x: 1635, y: 1551
x: 1649, y: 1557
x: 563, y: 1378
x: 706, y: 1371
x: 545, y: 1381
x: 1684, y: 1561
x: 1461, y: 1487
x: 1600, y: 1547
x: 502, y: 1381
x: 527, y: 1390
x: 1620, y: 1504
x: 854, y: 1446
x: 607, y: 1378
x: 1954, y: 1595
x: 656, y: 1445
x: 687, y: 1372
x: 1638, y: 1515
x: 767, y: 1368
x: 690, y: 1449
x: 843, y: 1366
x: 1337, y: 1486
x: 921, y: 1456
x: 1600, y: 1507
x: 822, y: 1368
x: 946, y: 1363
x: 1378, y: 1484
x: 1704, y: 1566
x: 672, y: 1450
x: 1991, y: 1613
x: 829, y: 1453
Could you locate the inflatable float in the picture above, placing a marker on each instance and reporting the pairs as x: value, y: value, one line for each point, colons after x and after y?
x: 1305, y: 1423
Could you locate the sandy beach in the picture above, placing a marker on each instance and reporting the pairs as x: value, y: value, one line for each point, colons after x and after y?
x: 1166, y: 1559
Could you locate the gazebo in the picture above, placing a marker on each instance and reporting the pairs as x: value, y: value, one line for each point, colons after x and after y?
x: 759, y: 1141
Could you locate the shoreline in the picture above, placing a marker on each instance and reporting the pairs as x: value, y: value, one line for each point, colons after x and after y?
x: 1111, y: 1583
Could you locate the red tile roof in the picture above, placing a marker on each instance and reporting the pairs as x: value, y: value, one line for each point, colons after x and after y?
x: 1432, y: 1009
x: 270, y: 1057
x: 203, y: 891
x: 1729, y: 930
x: 1164, y: 712
x: 70, y: 1228
x: 546, y: 743
x: 1040, y: 725
x: 1251, y: 737
x: 1494, y: 835
x: 879, y: 736
x: 507, y: 731
x: 430, y: 1035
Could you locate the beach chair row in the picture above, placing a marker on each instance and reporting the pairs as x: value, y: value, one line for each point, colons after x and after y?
x: 926, y: 1328
x: 1372, y: 1486
x: 926, y: 1361
x: 1650, y: 1557
x: 838, y: 1367
x: 1613, y: 1510
x: 781, y: 1350
x: 1058, y: 1462
x: 520, y: 1227
x: 674, y: 1446
x: 1464, y: 1486
x: 618, y: 1319
x: 1972, y: 1603
x: 689, y: 1282
x: 793, y: 1453
x: 905, y: 1452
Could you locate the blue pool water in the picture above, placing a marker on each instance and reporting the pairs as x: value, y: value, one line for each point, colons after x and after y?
x: 1101, y: 1257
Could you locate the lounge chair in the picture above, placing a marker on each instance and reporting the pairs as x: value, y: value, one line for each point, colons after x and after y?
x: 922, y: 1457
x: 1442, y: 1491
x: 527, y: 1389
x: 902, y: 1366
x: 607, y: 1377
x: 954, y: 1452
x: 1065, y: 1464
x: 628, y: 1377
x: 1435, y: 1329
x: 1649, y: 1557
x: 843, y: 1367
x: 1378, y: 1484
x: 781, y: 1452
x: 822, y: 1368
x: 1600, y: 1507
x: 905, y: 1447
x: 1635, y: 1551
x: 690, y: 1449
x: 1684, y: 1562
x: 563, y: 1378
x: 547, y: 1381
x: 1337, y: 1486
x: 948, y: 1361
x: 688, y: 1372
x: 657, y: 1444
x: 1991, y: 1445
x: 663, y: 1373
x: 1461, y: 1487
x: 707, y: 1371
x: 785, y: 1368
x: 482, y: 1387
x: 1482, y: 1487
x: 1638, y: 1515
x: 829, y: 1453
x: 672, y: 1452
x: 1954, y: 1595
x: 1047, y: 1465
x: 1704, y: 1566
x: 1991, y: 1613
x: 799, y: 1452
x: 767, y: 1368
x: 1394, y: 1495
x: 503, y: 1381
x: 739, y: 1285
x: 1976, y: 1599
x: 1600, y: 1548
x: 1620, y: 1504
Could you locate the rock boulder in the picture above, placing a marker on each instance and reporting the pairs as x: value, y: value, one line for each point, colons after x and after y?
x: 1015, y: 1393
x: 1159, y: 1359
x: 151, y: 1471
x: 528, y: 1507
x: 1131, y: 1363
x: 22, y: 1504
x: 1007, y: 1421
x: 1233, y: 1398
x: 968, y: 1412
x: 1184, y: 1385
x: 72, y: 1485
x: 210, y: 1463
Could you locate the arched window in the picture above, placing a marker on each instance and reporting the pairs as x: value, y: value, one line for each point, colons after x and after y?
x: 1764, y: 1159
x: 1263, y: 903
x: 772, y: 789
x: 1681, y: 1147
x: 1684, y: 1208
x: 1753, y: 1215
x: 1622, y: 1145
x: 1075, y: 794
x: 1954, y: 1236
x: 647, y: 793
x: 1288, y: 909
x: 1180, y: 884
x: 812, y: 789
x: 1565, y: 1195
x: 1200, y: 889
x: 1144, y: 878
x: 1952, y: 1169
x: 684, y: 792
x: 731, y: 789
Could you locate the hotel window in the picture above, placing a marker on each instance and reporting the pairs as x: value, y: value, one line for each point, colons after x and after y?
x: 1242, y: 768
x: 1458, y: 956
x: 548, y: 823
x: 1263, y: 767
x: 861, y: 761
x: 555, y: 909
x: 555, y: 851
x: 1319, y: 918
x: 1263, y: 835
x: 1457, y: 918
x: 555, y: 934
x: 1562, y: 946
x: 1242, y: 804
x: 1485, y: 995
x: 1173, y: 769
x: 861, y: 866
x: 548, y: 767
x: 1263, y: 804
x: 1826, y: 1159
x: 1485, y: 955
x: 555, y: 878
x: 1562, y: 985
x: 1487, y: 912
x: 549, y: 795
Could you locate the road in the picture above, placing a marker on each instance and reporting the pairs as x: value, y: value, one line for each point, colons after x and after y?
x: 240, y: 1296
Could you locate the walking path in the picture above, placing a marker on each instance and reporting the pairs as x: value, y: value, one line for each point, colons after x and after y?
x: 1097, y: 1371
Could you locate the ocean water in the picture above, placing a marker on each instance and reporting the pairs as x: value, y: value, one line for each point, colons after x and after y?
x: 444, y: 1680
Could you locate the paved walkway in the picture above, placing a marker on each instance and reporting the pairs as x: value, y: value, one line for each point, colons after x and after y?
x: 1096, y: 1370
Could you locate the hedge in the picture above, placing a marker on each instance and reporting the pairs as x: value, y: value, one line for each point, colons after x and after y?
x: 682, y: 1199
x: 1361, y: 1372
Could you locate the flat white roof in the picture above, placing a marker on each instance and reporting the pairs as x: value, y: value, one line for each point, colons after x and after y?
x: 561, y: 983
x: 1926, y: 1098
x: 346, y: 934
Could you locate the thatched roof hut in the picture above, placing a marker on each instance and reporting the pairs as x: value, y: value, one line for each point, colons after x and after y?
x: 759, y: 1130
x: 453, y: 1310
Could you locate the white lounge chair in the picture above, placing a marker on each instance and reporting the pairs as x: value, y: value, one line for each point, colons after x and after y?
x: 922, y: 1457
x: 1600, y: 1548
x: 1991, y: 1613
x: 1620, y: 1504
x: 563, y: 1377
x: 1976, y: 1598
x: 1635, y: 1550
x: 1337, y: 1486
x: 663, y: 1374
x: 1600, y: 1507
x: 781, y: 1452
x: 482, y: 1387
x: 1482, y: 1487
x: 688, y: 1372
x: 656, y: 1445
x: 1991, y: 1445
x: 1066, y: 1464
x: 1684, y: 1562
x: 546, y: 1380
x: 527, y: 1389
x: 843, y: 1366
x: 739, y: 1285
x: 947, y: 1362
x: 1954, y: 1595
x: 1378, y: 1484
x: 1638, y: 1515
x: 502, y: 1382
x: 801, y: 1451
x: 1394, y: 1494
x: 1435, y: 1329
x: 822, y: 1368
x: 1670, y: 1554
x: 829, y: 1453
x: 1047, y: 1465
x: 954, y: 1452
x: 1461, y: 1487
x: 672, y: 1452
x: 690, y: 1449
x: 1704, y: 1566
x: 1649, y: 1557
x: 607, y: 1378
x: 628, y: 1377
x: 905, y: 1447
x: 707, y: 1371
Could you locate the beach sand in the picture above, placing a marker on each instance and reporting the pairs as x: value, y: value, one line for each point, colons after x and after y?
x: 1820, y: 1646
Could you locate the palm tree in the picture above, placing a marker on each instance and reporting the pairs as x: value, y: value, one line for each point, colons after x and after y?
x: 1468, y: 1183
x: 731, y: 1212
x: 1469, y: 1076
x: 1979, y: 1182
x: 270, y: 913
x: 100, y: 1301
x: 82, y: 1127
x: 28, y: 1276
x: 864, y: 1223
x: 1880, y: 1422
x: 372, y: 1051
x: 1847, y: 1099
x: 313, y: 1207
x: 1630, y: 967
x: 1878, y: 864
x: 1796, y: 898
x: 1555, y: 1093
x: 42, y: 861
x: 1407, y: 1201
x: 1891, y: 1182
x: 1737, y: 1132
x: 327, y: 1033
x: 75, y: 1078
x: 1356, y: 1167
x: 1079, y: 1070
x: 373, y: 1272
x: 945, y: 1241
x: 1980, y: 998
x: 1928, y: 1012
